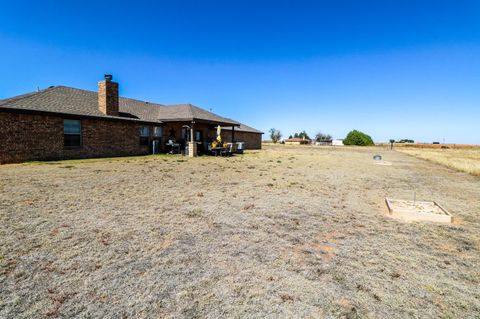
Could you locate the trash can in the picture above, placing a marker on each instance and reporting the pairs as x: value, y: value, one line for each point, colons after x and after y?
x: 240, y: 147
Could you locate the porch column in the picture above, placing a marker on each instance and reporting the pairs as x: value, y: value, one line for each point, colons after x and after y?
x: 233, y: 134
x: 192, y: 146
x: 192, y: 137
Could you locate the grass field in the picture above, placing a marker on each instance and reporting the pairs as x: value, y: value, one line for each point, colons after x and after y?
x: 289, y: 231
x: 463, y: 159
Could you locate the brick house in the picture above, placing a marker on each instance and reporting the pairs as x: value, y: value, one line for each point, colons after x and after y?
x: 64, y: 123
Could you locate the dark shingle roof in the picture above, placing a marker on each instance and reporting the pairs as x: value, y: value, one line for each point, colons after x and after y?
x: 188, y: 112
x: 244, y: 128
x: 61, y: 99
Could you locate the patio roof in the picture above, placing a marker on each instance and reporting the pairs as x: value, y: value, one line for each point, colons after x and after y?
x: 189, y: 112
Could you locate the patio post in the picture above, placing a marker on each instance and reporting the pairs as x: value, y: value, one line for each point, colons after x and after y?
x: 192, y: 137
x: 192, y: 145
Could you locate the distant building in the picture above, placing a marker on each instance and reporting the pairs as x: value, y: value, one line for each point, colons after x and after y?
x: 337, y: 142
x: 297, y: 141
x: 324, y: 142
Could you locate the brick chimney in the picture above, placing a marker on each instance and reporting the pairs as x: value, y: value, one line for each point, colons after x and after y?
x: 108, y: 96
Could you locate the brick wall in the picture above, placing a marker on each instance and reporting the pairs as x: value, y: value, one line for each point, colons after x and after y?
x: 253, y: 141
x: 25, y: 137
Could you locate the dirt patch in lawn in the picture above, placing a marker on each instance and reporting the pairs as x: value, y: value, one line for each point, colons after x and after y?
x: 289, y: 231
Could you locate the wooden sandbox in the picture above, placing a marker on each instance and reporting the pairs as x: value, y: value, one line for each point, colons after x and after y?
x: 418, y: 210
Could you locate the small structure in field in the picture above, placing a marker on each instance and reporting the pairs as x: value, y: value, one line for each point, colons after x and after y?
x: 323, y: 142
x: 297, y: 141
x: 418, y: 211
x: 337, y: 142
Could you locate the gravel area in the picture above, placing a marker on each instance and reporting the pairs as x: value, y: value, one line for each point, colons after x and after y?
x: 289, y: 231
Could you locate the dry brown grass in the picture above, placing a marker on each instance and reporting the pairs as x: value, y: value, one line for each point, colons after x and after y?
x: 463, y: 159
x: 431, y: 146
x: 290, y: 231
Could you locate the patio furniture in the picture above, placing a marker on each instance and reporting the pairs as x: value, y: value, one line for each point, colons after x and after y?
x: 228, y: 151
x: 240, y: 147
x: 174, y: 147
x: 217, y: 150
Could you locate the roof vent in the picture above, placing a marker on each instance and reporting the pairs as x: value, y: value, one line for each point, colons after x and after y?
x: 108, y: 77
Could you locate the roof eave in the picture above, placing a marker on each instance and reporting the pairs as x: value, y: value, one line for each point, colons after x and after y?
x: 198, y: 120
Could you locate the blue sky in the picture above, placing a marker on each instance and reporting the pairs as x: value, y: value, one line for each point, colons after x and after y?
x: 393, y: 69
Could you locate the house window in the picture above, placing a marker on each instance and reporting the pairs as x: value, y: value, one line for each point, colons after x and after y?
x: 144, y: 135
x: 198, y: 136
x: 157, y: 131
x: 72, y: 133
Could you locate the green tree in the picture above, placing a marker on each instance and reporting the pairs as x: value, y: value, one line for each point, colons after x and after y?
x: 358, y: 138
x: 302, y: 135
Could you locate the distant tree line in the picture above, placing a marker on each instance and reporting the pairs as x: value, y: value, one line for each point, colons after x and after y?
x: 320, y: 137
x: 405, y: 141
x: 354, y: 137
x: 302, y: 135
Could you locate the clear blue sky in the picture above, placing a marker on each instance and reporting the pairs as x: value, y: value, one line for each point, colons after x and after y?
x: 394, y: 69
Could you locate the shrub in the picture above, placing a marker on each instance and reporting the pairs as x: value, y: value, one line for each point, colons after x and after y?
x: 358, y: 138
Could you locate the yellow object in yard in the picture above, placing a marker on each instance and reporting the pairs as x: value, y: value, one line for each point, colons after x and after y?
x: 219, y: 138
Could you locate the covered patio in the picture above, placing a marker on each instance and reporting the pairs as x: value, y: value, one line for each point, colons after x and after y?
x: 188, y: 128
